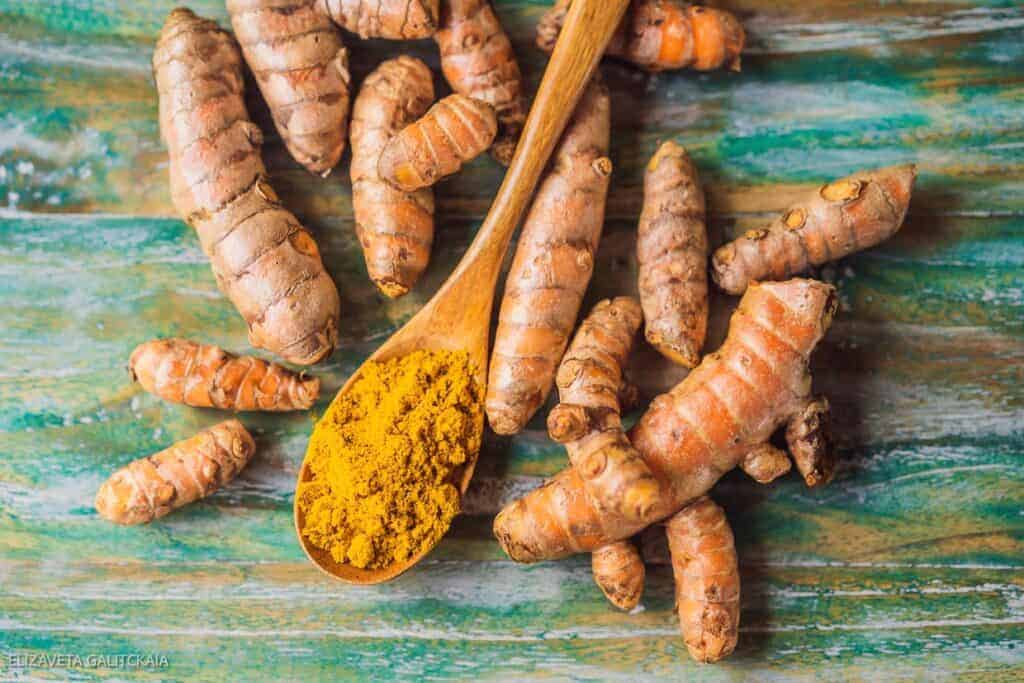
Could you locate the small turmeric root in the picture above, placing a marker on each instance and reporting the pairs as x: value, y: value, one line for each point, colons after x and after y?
x: 455, y: 130
x: 301, y: 67
x: 672, y: 254
x: 206, y: 376
x: 725, y: 409
x: 395, y: 228
x: 263, y: 259
x: 391, y: 19
x: 839, y: 219
x: 658, y: 35
x: 151, y: 487
x: 477, y: 60
x: 587, y: 419
x: 551, y: 268
x: 707, y: 579
x: 619, y: 573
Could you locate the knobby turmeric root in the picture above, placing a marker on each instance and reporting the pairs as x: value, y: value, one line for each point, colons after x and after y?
x: 725, y: 409
x: 477, y: 60
x: 619, y: 573
x: 551, y: 268
x: 707, y: 579
x: 841, y: 218
x: 392, y: 19
x: 263, y: 259
x: 206, y: 376
x: 672, y: 254
x: 395, y: 228
x: 151, y: 487
x: 657, y: 35
x: 455, y: 130
x: 587, y: 418
x: 301, y: 67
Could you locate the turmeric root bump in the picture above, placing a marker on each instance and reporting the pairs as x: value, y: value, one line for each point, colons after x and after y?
x: 206, y: 376
x: 477, y: 60
x: 619, y: 573
x: 392, y: 19
x: 726, y: 407
x: 395, y: 228
x: 455, y: 130
x: 151, y: 487
x: 707, y: 579
x: 658, y: 35
x: 263, y: 259
x: 841, y: 218
x: 301, y: 67
x: 587, y: 420
x: 551, y: 268
x: 672, y: 253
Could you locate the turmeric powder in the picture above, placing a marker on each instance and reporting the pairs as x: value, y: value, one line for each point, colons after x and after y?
x: 385, y: 459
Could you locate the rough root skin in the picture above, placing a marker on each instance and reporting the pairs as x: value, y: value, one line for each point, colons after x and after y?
x: 206, y: 376
x: 391, y: 19
x: 395, y: 228
x: 706, y: 571
x: 809, y: 438
x: 587, y: 420
x: 151, y: 487
x: 478, y: 61
x: 728, y: 405
x: 455, y: 130
x: 672, y: 254
x: 619, y: 573
x: 657, y: 35
x: 765, y: 463
x: 837, y: 220
x: 263, y: 259
x: 551, y: 269
x: 301, y: 66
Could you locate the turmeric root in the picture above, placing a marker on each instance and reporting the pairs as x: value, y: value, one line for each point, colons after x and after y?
x: 726, y: 408
x: 587, y: 420
x: 206, y: 376
x: 841, y: 218
x: 301, y: 67
x: 263, y: 259
x: 477, y: 60
x: 707, y: 579
x: 395, y: 228
x: 452, y: 132
x: 657, y: 35
x: 551, y: 268
x: 672, y: 254
x: 393, y: 19
x: 151, y: 487
x: 619, y: 573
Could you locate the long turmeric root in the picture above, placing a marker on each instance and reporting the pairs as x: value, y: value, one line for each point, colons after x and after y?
x: 395, y: 228
x: 726, y: 408
x: 301, y: 68
x: 393, y: 19
x: 587, y: 419
x: 206, y: 376
x: 452, y: 132
x: 672, y: 253
x: 707, y: 579
x: 263, y: 259
x: 552, y: 267
x: 151, y: 487
x: 477, y: 60
x: 619, y: 573
x: 841, y: 218
x: 657, y: 35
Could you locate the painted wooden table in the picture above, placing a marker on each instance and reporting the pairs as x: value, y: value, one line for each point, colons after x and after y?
x: 910, y: 565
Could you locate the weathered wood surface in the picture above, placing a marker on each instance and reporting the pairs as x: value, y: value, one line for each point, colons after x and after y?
x: 910, y: 565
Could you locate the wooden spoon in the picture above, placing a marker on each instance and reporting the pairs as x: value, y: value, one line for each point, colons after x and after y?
x: 458, y: 317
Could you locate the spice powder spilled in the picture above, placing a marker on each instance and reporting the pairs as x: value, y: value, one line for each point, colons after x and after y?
x: 385, y: 458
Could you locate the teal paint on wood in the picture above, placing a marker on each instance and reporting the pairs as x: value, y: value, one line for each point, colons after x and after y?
x: 909, y: 563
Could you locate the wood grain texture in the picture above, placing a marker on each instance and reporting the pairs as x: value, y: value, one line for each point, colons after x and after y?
x: 910, y: 563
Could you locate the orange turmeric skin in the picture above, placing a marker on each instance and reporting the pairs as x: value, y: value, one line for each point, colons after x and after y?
x: 619, y: 573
